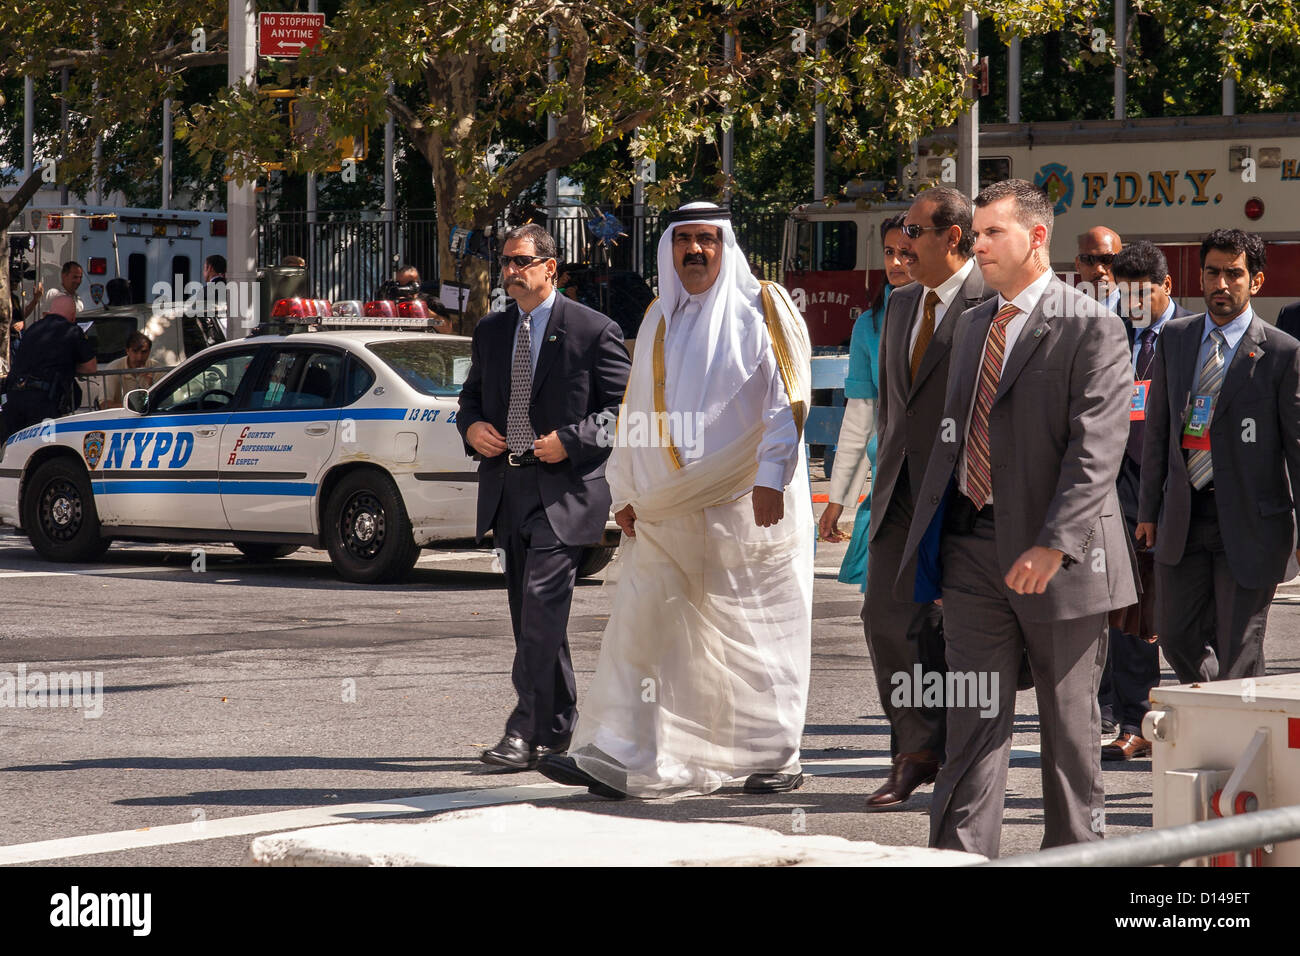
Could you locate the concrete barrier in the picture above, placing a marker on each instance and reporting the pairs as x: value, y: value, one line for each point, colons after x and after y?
x: 525, y: 835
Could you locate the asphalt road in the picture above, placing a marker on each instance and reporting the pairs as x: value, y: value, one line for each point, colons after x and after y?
x: 238, y: 693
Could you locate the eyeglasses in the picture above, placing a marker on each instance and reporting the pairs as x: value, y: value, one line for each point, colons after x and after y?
x: 913, y: 231
x: 684, y: 239
x: 522, y: 262
x: 1104, y: 259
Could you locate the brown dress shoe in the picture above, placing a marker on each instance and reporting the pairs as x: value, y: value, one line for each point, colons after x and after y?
x: 1126, y: 747
x: 908, y: 772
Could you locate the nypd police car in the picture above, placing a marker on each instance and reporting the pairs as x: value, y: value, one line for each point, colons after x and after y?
x: 343, y: 440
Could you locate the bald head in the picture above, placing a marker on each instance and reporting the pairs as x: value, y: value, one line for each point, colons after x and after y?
x: 1097, y: 242
x: 64, y: 305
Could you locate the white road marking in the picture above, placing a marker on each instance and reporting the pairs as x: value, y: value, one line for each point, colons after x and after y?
x: 87, y: 572
x: 122, y: 840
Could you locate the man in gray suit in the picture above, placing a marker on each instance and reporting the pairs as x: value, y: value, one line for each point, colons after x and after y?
x: 914, y: 350
x: 1221, y: 469
x: 1019, y: 507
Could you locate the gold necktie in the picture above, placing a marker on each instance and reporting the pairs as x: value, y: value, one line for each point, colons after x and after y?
x: 927, y: 331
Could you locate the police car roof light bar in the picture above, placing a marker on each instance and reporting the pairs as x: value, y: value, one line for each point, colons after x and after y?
x: 393, y: 324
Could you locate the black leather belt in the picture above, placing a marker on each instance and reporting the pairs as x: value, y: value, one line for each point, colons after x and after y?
x: 1203, y: 504
x: 522, y: 460
x: 962, y: 514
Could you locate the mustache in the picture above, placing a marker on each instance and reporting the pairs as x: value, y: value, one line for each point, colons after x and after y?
x: 693, y: 259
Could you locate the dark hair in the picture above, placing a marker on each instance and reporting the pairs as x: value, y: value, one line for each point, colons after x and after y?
x: 952, y: 208
x: 69, y: 266
x: 119, y: 291
x: 137, y: 338
x: 1141, y: 260
x: 1236, y: 241
x: 217, y: 262
x: 1033, y: 207
x: 893, y: 222
x: 543, y: 242
x: 405, y: 268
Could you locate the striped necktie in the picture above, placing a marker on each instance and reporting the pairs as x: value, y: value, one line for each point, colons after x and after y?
x: 926, y: 332
x: 1200, y: 467
x: 979, y: 477
x: 519, y: 430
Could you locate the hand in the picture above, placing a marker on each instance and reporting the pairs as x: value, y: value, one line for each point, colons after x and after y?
x: 625, y: 518
x: 828, y: 526
x: 40, y: 290
x: 1146, y: 534
x: 485, y: 439
x: 549, y: 449
x: 769, y: 506
x: 1033, y: 569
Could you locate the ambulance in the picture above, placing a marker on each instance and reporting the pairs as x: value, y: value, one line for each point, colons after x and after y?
x: 1170, y: 180
x: 143, y: 246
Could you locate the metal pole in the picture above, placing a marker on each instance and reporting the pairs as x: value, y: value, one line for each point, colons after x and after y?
x: 241, y: 199
x: 311, y: 177
x: 63, y: 132
x: 553, y: 126
x: 1229, y: 95
x: 728, y: 137
x: 819, y: 130
x: 1121, y: 65
x: 167, y: 154
x: 1013, y: 81
x: 389, y: 213
x: 1169, y: 845
x: 638, y: 184
x: 968, y: 158
x: 29, y: 117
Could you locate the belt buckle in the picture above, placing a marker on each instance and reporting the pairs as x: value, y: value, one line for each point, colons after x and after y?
x: 517, y: 459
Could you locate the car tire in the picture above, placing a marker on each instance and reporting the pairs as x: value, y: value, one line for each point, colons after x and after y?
x: 257, y: 551
x: 594, y: 560
x: 367, y: 530
x: 59, y: 513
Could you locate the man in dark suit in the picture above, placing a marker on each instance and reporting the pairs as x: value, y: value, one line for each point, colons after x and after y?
x: 1020, y: 496
x: 1221, y: 469
x: 1133, y: 660
x: 1288, y: 320
x: 539, y: 405
x: 913, y: 374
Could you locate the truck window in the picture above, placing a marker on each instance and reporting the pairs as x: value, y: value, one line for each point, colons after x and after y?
x: 827, y: 246
x: 181, y: 267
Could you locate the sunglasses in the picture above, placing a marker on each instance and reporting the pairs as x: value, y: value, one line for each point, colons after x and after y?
x: 522, y: 262
x: 913, y: 231
x: 1105, y: 259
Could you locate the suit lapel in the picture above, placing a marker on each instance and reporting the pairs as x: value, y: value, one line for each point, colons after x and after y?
x: 1036, y: 329
x: 1249, y: 352
x: 962, y: 378
x: 902, y: 305
x: 506, y: 346
x: 1188, y: 368
x: 552, y: 345
x: 968, y: 296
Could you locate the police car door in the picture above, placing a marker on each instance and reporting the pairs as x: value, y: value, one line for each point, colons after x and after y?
x: 160, y: 469
x: 275, y: 448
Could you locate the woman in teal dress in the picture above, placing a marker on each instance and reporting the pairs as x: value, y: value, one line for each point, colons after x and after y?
x: 857, y: 441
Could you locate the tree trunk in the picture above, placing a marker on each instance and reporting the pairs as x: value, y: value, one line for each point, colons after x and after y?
x: 10, y: 211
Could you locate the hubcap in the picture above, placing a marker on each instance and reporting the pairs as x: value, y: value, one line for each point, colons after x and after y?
x: 61, y: 510
x: 363, y: 525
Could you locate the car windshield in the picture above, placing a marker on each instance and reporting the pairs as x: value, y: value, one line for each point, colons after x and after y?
x: 433, y: 366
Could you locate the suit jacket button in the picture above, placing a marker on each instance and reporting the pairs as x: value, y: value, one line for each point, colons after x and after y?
x: 934, y: 499
x: 911, y: 412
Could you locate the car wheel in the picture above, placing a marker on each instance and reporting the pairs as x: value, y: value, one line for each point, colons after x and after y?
x: 367, y: 531
x: 59, y: 513
x: 594, y: 560
x: 257, y: 551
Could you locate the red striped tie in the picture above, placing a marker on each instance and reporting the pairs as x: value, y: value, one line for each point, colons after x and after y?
x: 979, y: 478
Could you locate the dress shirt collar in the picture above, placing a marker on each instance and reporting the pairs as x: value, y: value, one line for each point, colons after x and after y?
x: 947, y: 289
x: 1233, y: 331
x: 1027, y: 300
x: 542, y: 312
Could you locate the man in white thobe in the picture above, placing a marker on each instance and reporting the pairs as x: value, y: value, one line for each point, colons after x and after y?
x: 703, y: 672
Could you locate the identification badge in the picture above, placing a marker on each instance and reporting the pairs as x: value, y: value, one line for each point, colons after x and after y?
x: 1137, y: 406
x: 1196, y: 427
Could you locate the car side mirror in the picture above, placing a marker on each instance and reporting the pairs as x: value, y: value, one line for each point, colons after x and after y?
x: 137, y: 400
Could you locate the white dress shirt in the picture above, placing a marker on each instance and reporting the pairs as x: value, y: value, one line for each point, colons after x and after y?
x: 947, y: 291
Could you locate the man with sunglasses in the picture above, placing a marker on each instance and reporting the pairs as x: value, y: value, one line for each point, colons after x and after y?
x: 914, y: 352
x: 1097, y: 250
x: 545, y: 381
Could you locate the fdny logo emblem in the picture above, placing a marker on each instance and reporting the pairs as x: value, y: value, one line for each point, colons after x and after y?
x: 1058, y: 182
x: 93, y: 448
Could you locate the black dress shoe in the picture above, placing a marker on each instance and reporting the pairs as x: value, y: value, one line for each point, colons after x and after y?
x: 555, y: 747
x: 773, y: 782
x: 511, y: 751
x: 565, y: 770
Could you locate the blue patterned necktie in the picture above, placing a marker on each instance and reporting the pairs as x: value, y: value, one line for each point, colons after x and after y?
x: 519, y: 430
x: 1200, y: 467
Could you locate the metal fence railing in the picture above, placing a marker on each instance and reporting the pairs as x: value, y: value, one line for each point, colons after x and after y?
x: 349, y: 253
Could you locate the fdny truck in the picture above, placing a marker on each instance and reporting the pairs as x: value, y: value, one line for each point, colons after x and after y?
x: 1170, y: 180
